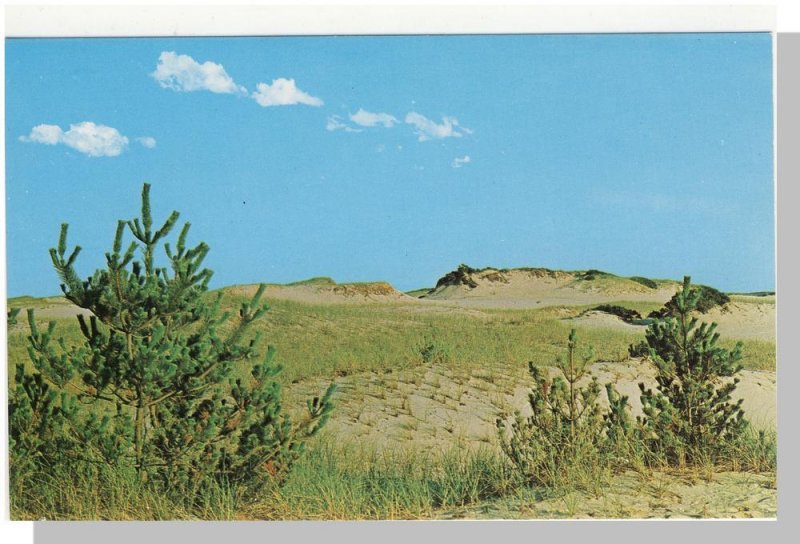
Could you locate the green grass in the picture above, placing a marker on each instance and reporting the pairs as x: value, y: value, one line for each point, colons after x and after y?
x: 329, y: 340
x: 353, y: 481
x: 335, y: 481
x: 86, y: 492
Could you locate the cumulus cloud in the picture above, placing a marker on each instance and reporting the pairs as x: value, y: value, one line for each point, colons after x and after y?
x: 335, y: 123
x: 148, y: 141
x: 283, y: 92
x: 369, y: 119
x: 44, y: 134
x: 427, y: 129
x: 183, y: 73
x: 458, y: 163
x: 87, y: 137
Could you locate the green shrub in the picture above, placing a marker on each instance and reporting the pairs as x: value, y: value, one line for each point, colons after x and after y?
x: 156, y: 377
x: 647, y: 282
x: 431, y: 351
x: 625, y: 314
x: 567, y: 433
x: 640, y: 349
x: 707, y: 298
x: 690, y: 417
x: 593, y: 274
x: 460, y: 276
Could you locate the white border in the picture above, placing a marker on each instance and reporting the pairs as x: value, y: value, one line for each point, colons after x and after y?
x: 105, y: 21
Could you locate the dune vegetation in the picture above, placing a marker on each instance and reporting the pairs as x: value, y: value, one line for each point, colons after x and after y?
x: 499, y: 393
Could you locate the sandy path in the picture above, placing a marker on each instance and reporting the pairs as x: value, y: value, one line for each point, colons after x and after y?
x: 636, y: 496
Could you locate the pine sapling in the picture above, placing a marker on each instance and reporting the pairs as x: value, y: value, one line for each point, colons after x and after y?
x: 691, y: 416
x: 173, y: 383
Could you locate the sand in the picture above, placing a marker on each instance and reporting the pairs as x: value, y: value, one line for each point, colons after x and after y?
x: 325, y: 293
x: 538, y: 288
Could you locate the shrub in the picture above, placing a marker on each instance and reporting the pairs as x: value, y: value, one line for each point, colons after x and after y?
x: 567, y: 430
x: 690, y: 417
x: 460, y: 276
x: 647, y: 282
x: 592, y: 274
x: 640, y: 349
x: 625, y: 314
x: 707, y: 298
x: 431, y: 351
x: 158, y: 369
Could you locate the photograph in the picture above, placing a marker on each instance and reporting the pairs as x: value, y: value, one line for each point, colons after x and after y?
x: 522, y: 276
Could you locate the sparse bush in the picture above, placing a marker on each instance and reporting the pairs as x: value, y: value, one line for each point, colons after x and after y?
x: 690, y: 417
x: 707, y: 298
x: 640, y: 349
x: 460, y: 276
x: 626, y: 314
x: 431, y: 351
x: 592, y: 274
x: 647, y: 282
x: 11, y: 316
x: 157, y: 371
x: 566, y: 432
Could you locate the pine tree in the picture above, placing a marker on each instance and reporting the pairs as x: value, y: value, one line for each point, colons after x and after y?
x: 565, y: 419
x: 690, y: 416
x: 162, y: 368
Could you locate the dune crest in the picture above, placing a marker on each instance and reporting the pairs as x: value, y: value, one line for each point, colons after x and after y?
x: 539, y: 287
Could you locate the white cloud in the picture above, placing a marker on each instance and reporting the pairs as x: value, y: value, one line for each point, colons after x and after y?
x: 458, y: 163
x: 370, y: 119
x: 183, y: 73
x: 335, y: 123
x: 44, y: 134
x: 283, y: 92
x: 427, y: 129
x: 148, y: 141
x: 87, y: 137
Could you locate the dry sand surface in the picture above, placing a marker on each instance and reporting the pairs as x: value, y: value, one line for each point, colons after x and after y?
x: 602, y: 320
x: 329, y: 293
x: 436, y: 408
x: 536, y: 288
x: 652, y: 496
x: 737, y: 319
x: 745, y: 318
x: 50, y: 308
x: 425, y: 410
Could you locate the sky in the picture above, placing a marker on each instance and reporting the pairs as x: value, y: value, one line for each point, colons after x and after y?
x: 398, y: 158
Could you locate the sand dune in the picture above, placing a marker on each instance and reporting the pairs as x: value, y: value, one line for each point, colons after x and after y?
x: 328, y: 292
x: 539, y: 287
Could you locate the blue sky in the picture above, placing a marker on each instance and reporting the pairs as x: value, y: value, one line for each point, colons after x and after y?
x: 398, y: 158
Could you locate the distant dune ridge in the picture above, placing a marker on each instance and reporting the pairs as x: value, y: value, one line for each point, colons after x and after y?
x: 539, y: 287
x: 326, y: 291
x: 472, y: 290
x: 745, y: 316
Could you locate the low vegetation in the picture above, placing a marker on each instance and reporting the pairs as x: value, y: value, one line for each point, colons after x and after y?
x: 647, y: 282
x: 706, y: 299
x: 689, y: 420
x: 150, y: 389
x: 626, y: 314
x: 565, y: 431
x: 166, y: 402
x: 690, y: 416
